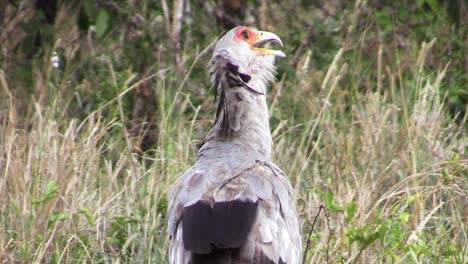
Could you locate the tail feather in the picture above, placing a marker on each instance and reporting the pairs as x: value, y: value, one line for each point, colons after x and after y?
x: 230, y: 256
x: 217, y: 256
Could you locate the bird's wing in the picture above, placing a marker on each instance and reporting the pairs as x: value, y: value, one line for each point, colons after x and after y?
x: 177, y: 253
x: 250, y: 209
x: 286, y: 239
x: 276, y: 232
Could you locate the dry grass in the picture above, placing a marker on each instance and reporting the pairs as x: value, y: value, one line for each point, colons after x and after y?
x: 393, y: 171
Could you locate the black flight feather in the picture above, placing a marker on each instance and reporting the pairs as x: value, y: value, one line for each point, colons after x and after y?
x: 225, y: 225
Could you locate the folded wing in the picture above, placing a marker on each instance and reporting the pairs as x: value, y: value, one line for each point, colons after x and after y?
x: 247, y: 217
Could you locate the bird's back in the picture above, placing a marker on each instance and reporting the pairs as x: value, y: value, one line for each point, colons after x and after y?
x: 242, y: 214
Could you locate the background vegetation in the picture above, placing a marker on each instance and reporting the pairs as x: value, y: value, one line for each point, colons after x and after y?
x: 102, y: 104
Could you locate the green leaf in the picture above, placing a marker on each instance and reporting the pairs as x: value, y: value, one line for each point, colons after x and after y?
x: 87, y: 214
x: 350, y: 211
x: 51, y: 191
x: 404, y: 217
x: 102, y: 23
x: 329, y: 204
x: 358, y: 234
x: 382, y: 231
x: 58, y: 216
x: 162, y: 206
x: 410, y: 200
x: 434, y: 5
x: 88, y: 8
x: 365, y: 235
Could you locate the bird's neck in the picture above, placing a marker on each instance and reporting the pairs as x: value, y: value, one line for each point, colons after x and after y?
x: 242, y: 126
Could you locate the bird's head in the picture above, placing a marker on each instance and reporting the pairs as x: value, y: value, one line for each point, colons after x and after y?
x: 246, y: 47
x: 244, y: 41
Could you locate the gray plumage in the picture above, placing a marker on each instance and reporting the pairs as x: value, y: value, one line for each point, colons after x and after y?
x: 235, y: 205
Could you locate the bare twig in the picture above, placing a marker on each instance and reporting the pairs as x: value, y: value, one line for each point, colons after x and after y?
x: 329, y: 233
x: 321, y: 208
x: 188, y: 20
x: 177, y: 16
x: 167, y: 17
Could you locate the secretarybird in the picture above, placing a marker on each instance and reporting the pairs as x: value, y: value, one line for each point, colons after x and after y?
x: 235, y: 205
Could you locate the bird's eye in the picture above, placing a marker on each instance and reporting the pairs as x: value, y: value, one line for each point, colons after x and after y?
x: 245, y: 35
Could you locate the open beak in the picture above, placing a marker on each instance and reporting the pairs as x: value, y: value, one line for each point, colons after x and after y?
x: 264, y: 38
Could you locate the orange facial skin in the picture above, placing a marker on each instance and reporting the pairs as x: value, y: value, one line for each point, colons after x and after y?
x: 247, y: 35
x: 256, y: 40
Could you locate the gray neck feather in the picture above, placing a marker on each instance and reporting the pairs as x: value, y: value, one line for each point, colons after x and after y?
x: 241, y: 128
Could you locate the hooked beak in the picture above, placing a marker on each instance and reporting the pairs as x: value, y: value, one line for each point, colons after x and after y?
x: 268, y: 37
